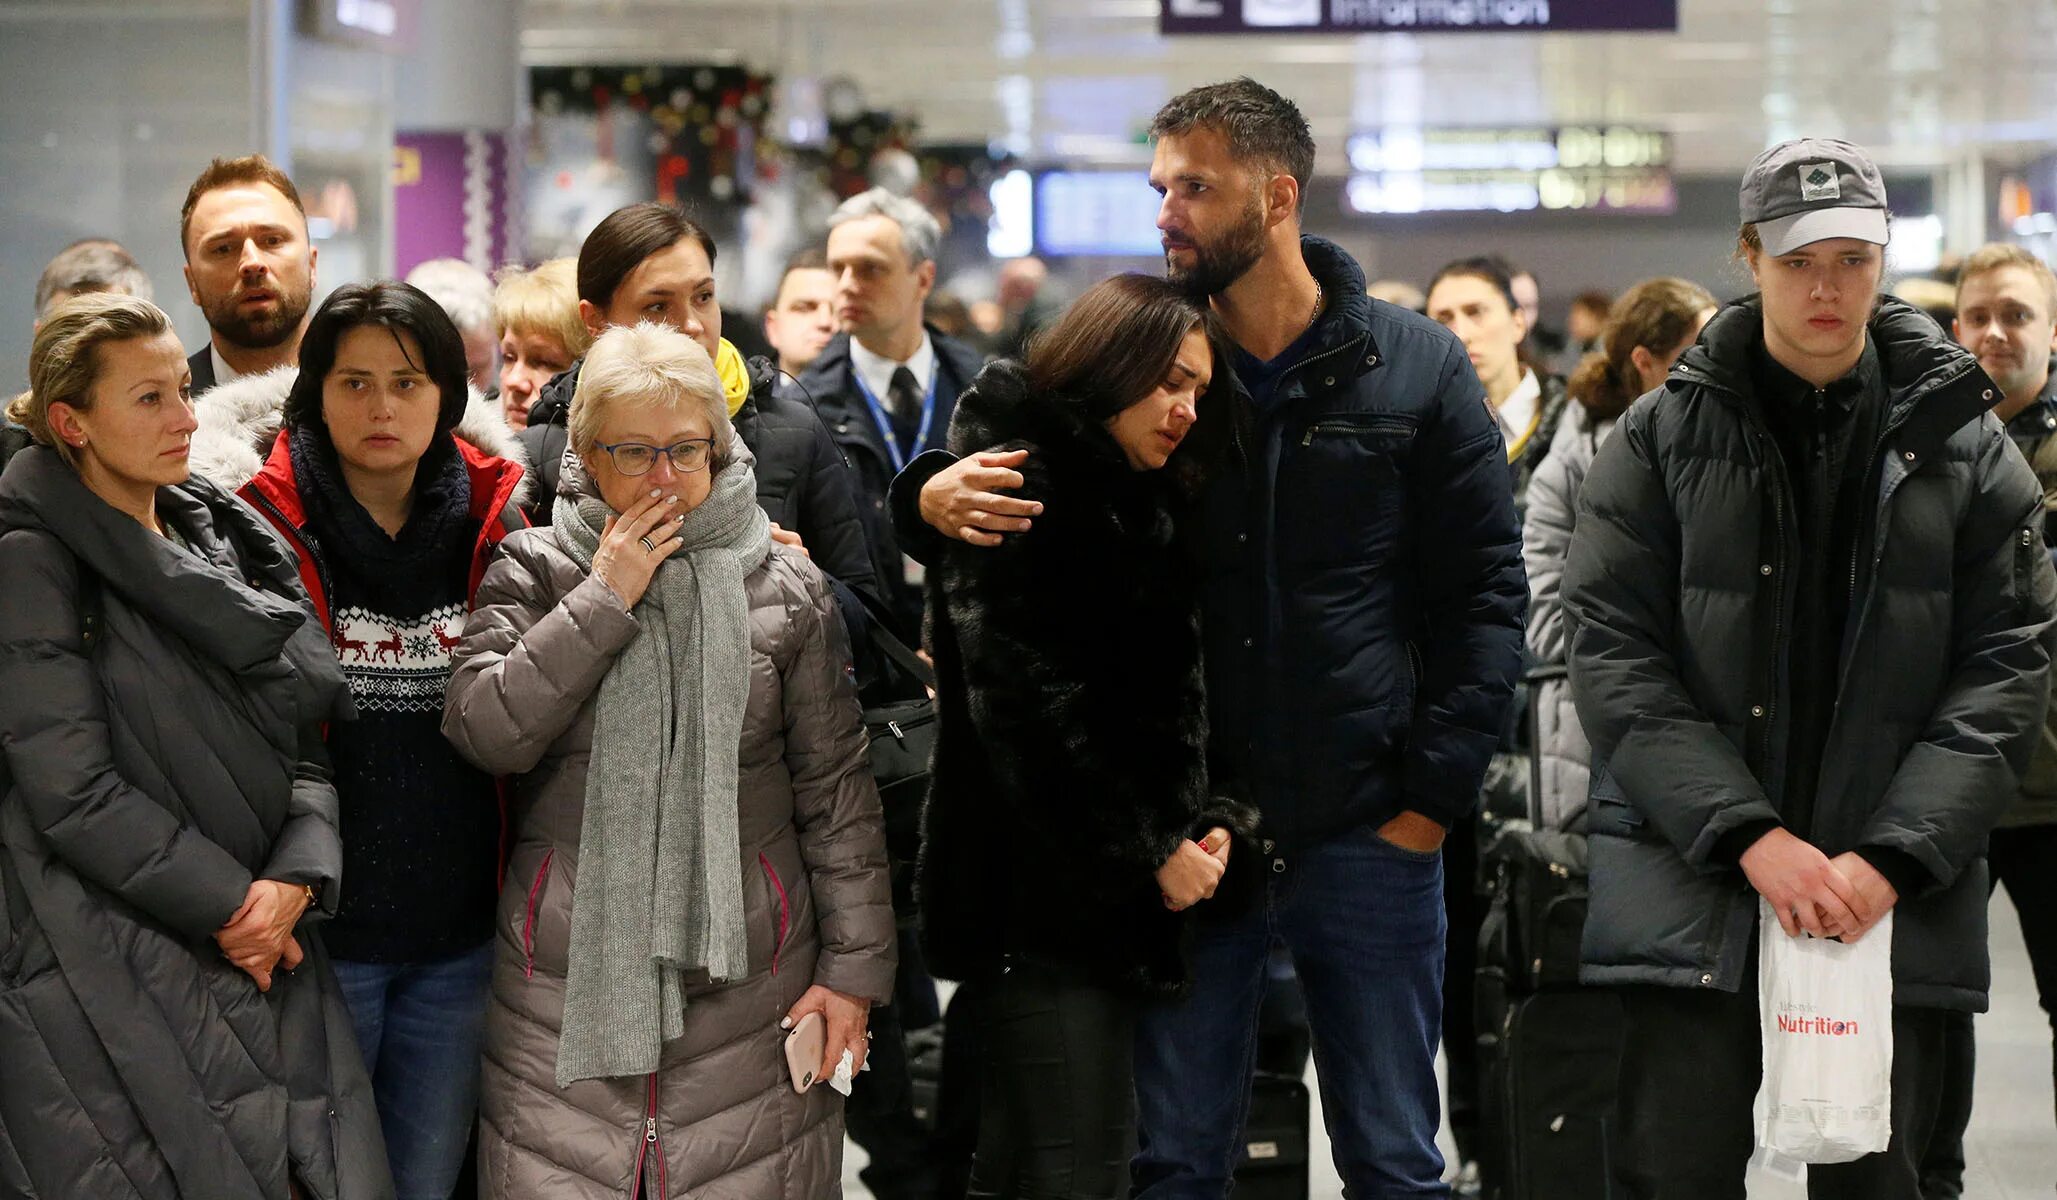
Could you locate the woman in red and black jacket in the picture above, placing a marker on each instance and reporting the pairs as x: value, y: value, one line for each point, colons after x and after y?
x: 394, y: 513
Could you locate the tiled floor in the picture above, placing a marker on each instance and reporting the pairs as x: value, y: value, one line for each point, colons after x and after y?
x: 2012, y: 1150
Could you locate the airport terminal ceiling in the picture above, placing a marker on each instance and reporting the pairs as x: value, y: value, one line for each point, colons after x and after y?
x: 1923, y: 83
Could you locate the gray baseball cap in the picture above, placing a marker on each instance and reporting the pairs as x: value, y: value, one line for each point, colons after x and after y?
x: 1811, y: 189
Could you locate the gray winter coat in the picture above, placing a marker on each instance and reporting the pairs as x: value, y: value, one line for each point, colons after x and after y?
x: 1678, y: 597
x: 719, y: 1119
x: 1564, y: 756
x: 161, y: 719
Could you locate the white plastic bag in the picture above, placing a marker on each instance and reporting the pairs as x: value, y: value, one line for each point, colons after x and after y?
x: 1826, y: 1012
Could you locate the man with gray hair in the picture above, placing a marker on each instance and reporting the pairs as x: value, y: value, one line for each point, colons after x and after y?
x: 887, y: 384
x: 467, y: 295
x: 885, y: 388
x: 89, y: 265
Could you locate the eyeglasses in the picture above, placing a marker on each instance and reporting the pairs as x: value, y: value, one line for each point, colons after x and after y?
x: 636, y: 458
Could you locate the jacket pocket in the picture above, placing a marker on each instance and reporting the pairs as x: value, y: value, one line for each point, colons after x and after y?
x: 1342, y: 488
x: 785, y: 912
x: 528, y: 923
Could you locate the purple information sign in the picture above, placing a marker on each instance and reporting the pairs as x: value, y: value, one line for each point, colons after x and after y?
x: 1416, y: 16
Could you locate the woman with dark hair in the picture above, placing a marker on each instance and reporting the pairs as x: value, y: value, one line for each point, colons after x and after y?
x: 169, y: 1025
x: 393, y: 515
x: 1474, y: 299
x: 1647, y: 331
x: 1070, y: 823
x: 650, y: 262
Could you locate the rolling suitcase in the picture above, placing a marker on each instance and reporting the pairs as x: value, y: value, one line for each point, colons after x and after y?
x: 1549, y: 1048
x: 1274, y: 1161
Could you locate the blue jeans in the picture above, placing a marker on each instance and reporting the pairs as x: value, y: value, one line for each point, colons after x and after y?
x: 421, y: 1028
x: 1363, y: 920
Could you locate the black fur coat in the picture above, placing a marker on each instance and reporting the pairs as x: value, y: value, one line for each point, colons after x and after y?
x: 1071, y: 746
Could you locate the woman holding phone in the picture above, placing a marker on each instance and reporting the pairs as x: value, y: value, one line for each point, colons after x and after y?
x: 1070, y: 825
x: 699, y: 858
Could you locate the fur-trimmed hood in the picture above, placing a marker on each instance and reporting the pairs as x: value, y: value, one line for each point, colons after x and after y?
x: 240, y: 420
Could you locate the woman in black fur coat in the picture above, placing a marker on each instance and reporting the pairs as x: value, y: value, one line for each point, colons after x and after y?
x: 1069, y: 823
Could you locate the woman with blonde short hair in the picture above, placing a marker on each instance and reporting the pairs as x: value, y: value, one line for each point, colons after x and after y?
x: 668, y: 687
x: 536, y: 319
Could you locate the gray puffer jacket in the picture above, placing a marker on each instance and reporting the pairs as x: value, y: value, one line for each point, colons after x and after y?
x: 160, y: 711
x: 1564, y: 756
x: 1679, y: 595
x: 719, y: 1119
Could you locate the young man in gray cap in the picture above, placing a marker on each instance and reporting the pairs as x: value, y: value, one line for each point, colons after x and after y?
x: 1810, y: 605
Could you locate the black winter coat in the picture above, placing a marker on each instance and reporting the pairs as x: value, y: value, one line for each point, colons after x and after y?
x: 1362, y: 581
x: 829, y: 383
x: 1676, y: 590
x: 151, y: 772
x: 1071, y: 742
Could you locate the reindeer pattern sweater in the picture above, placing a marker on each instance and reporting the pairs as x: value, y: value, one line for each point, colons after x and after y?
x: 420, y: 825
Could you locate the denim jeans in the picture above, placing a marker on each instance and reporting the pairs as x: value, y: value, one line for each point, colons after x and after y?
x: 421, y: 1027
x: 1363, y: 920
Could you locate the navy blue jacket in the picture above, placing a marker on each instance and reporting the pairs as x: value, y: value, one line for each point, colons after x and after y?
x: 1364, y: 596
x: 830, y: 383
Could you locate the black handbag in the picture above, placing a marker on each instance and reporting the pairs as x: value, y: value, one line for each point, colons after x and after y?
x: 903, y: 736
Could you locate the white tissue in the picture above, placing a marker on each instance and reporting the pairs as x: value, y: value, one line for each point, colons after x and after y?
x: 841, y: 1079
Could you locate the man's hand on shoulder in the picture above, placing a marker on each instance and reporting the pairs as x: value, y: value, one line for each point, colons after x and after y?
x: 964, y: 500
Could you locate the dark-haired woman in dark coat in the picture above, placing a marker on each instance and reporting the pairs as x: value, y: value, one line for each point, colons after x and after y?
x: 169, y: 1025
x: 1070, y: 823
x: 379, y: 485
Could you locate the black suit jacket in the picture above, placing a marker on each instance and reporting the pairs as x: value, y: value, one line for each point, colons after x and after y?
x: 201, y: 363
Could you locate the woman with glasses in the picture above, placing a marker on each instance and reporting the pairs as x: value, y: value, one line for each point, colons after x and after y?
x: 700, y: 861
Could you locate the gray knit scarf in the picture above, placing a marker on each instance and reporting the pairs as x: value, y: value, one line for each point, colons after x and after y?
x: 659, y: 903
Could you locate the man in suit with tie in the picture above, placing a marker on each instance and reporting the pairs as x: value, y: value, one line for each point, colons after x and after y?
x: 887, y: 384
x: 249, y: 266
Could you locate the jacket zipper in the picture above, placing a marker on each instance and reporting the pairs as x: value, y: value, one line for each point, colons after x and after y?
x: 528, y: 925
x: 650, y: 1146
x: 1401, y: 428
x: 785, y: 909
x: 1780, y: 484
x: 321, y: 570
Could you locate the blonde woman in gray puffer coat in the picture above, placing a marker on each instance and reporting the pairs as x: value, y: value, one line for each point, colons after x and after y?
x: 699, y: 857
x: 1649, y: 327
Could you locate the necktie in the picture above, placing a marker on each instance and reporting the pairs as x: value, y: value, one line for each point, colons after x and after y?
x: 904, y: 395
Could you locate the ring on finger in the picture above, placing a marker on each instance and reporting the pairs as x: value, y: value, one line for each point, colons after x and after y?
x: 647, y: 544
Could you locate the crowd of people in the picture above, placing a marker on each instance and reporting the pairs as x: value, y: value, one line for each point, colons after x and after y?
x: 435, y: 734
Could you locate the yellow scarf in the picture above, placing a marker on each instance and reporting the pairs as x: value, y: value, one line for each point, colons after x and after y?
x: 735, y: 376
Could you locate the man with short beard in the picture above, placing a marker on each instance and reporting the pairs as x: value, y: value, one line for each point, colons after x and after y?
x: 1362, y: 609
x: 249, y: 266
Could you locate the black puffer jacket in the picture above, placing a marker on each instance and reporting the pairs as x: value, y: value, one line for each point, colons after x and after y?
x: 154, y: 773
x: 1677, y: 594
x: 1071, y: 753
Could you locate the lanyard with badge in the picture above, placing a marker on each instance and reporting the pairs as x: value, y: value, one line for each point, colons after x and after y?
x: 911, y: 571
x: 884, y: 419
